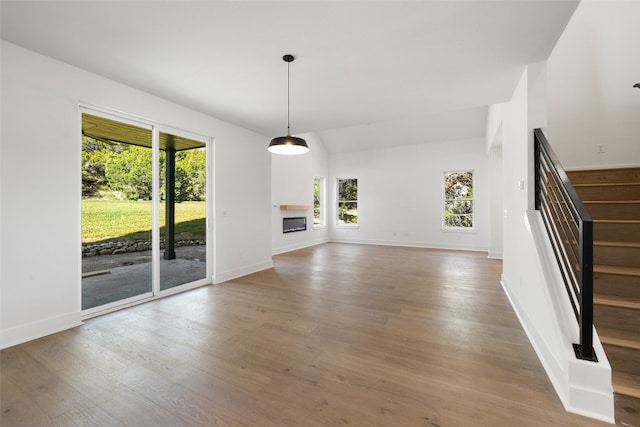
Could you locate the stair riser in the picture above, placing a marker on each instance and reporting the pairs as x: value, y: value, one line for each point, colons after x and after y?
x: 622, y: 192
x: 605, y: 175
x: 615, y: 285
x: 621, y: 319
x: 623, y: 359
x: 614, y: 210
x: 617, y: 256
x: 615, y: 232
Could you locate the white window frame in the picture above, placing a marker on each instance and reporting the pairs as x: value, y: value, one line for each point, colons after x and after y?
x: 323, y: 204
x: 449, y: 228
x: 337, y: 205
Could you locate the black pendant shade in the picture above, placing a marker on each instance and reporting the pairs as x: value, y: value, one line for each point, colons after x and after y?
x: 288, y: 145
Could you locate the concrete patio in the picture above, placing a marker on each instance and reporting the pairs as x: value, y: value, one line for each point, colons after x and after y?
x: 109, y: 278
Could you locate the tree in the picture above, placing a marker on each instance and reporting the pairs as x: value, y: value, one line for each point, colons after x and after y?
x: 130, y: 172
x: 191, y: 174
x: 458, y: 194
x: 94, y: 157
x: 127, y: 168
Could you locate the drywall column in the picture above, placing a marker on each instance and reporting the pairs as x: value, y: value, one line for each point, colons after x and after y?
x: 526, y: 111
x: 493, y: 144
x: 495, y: 201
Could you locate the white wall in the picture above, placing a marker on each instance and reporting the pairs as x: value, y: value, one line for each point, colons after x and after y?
x: 495, y: 201
x: 40, y: 188
x: 493, y: 143
x: 530, y: 274
x: 591, y: 73
x: 292, y: 184
x: 400, y: 194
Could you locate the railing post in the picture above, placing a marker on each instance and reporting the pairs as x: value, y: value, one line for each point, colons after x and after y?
x: 536, y: 169
x: 586, y: 291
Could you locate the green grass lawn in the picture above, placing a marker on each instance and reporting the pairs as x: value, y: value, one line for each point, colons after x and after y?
x: 128, y: 220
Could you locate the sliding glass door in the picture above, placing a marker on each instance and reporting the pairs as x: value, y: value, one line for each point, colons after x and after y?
x: 144, y: 211
x: 183, y: 190
x: 117, y: 211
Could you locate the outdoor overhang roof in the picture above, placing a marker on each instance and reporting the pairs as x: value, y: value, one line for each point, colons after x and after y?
x: 113, y: 131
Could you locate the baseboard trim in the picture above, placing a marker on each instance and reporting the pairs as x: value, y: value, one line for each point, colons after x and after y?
x: 233, y: 274
x: 30, y: 331
x: 425, y: 245
x: 551, y: 366
x: 289, y: 248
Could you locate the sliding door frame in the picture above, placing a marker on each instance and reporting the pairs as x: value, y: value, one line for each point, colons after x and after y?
x: 155, y: 128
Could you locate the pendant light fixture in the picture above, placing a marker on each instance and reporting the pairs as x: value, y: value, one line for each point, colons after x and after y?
x: 290, y: 145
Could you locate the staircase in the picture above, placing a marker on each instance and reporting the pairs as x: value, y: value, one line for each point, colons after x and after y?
x: 612, y: 197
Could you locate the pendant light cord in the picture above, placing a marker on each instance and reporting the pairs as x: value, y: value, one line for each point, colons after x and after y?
x: 288, y: 101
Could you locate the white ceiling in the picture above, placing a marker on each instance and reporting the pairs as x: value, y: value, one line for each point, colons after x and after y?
x: 367, y: 74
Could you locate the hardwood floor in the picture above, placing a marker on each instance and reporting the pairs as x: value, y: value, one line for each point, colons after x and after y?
x: 334, y: 335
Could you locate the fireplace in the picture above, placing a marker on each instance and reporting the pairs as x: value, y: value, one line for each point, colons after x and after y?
x: 289, y: 225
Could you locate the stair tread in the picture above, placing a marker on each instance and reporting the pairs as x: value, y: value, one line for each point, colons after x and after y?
x: 627, y: 384
x: 619, y: 338
x: 617, y: 244
x: 617, y: 221
x: 612, y: 301
x: 611, y: 202
x: 607, y: 184
x: 611, y: 269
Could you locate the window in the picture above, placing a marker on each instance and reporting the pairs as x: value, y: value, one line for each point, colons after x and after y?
x: 318, y: 202
x: 458, y: 199
x: 348, y: 201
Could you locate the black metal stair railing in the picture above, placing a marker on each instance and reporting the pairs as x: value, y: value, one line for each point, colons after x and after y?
x: 570, y: 229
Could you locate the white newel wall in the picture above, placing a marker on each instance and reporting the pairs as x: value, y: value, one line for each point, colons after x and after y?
x: 292, y: 184
x: 40, y: 156
x: 530, y: 275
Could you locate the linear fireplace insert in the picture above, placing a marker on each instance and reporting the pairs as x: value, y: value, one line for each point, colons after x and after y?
x: 289, y: 225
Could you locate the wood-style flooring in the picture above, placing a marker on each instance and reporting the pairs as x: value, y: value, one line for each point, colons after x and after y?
x: 334, y: 335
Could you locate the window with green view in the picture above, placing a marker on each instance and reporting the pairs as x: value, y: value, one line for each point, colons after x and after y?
x: 347, y: 201
x: 458, y: 199
x: 318, y: 203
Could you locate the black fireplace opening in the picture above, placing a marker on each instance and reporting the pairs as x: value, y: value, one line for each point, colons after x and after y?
x: 290, y: 225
